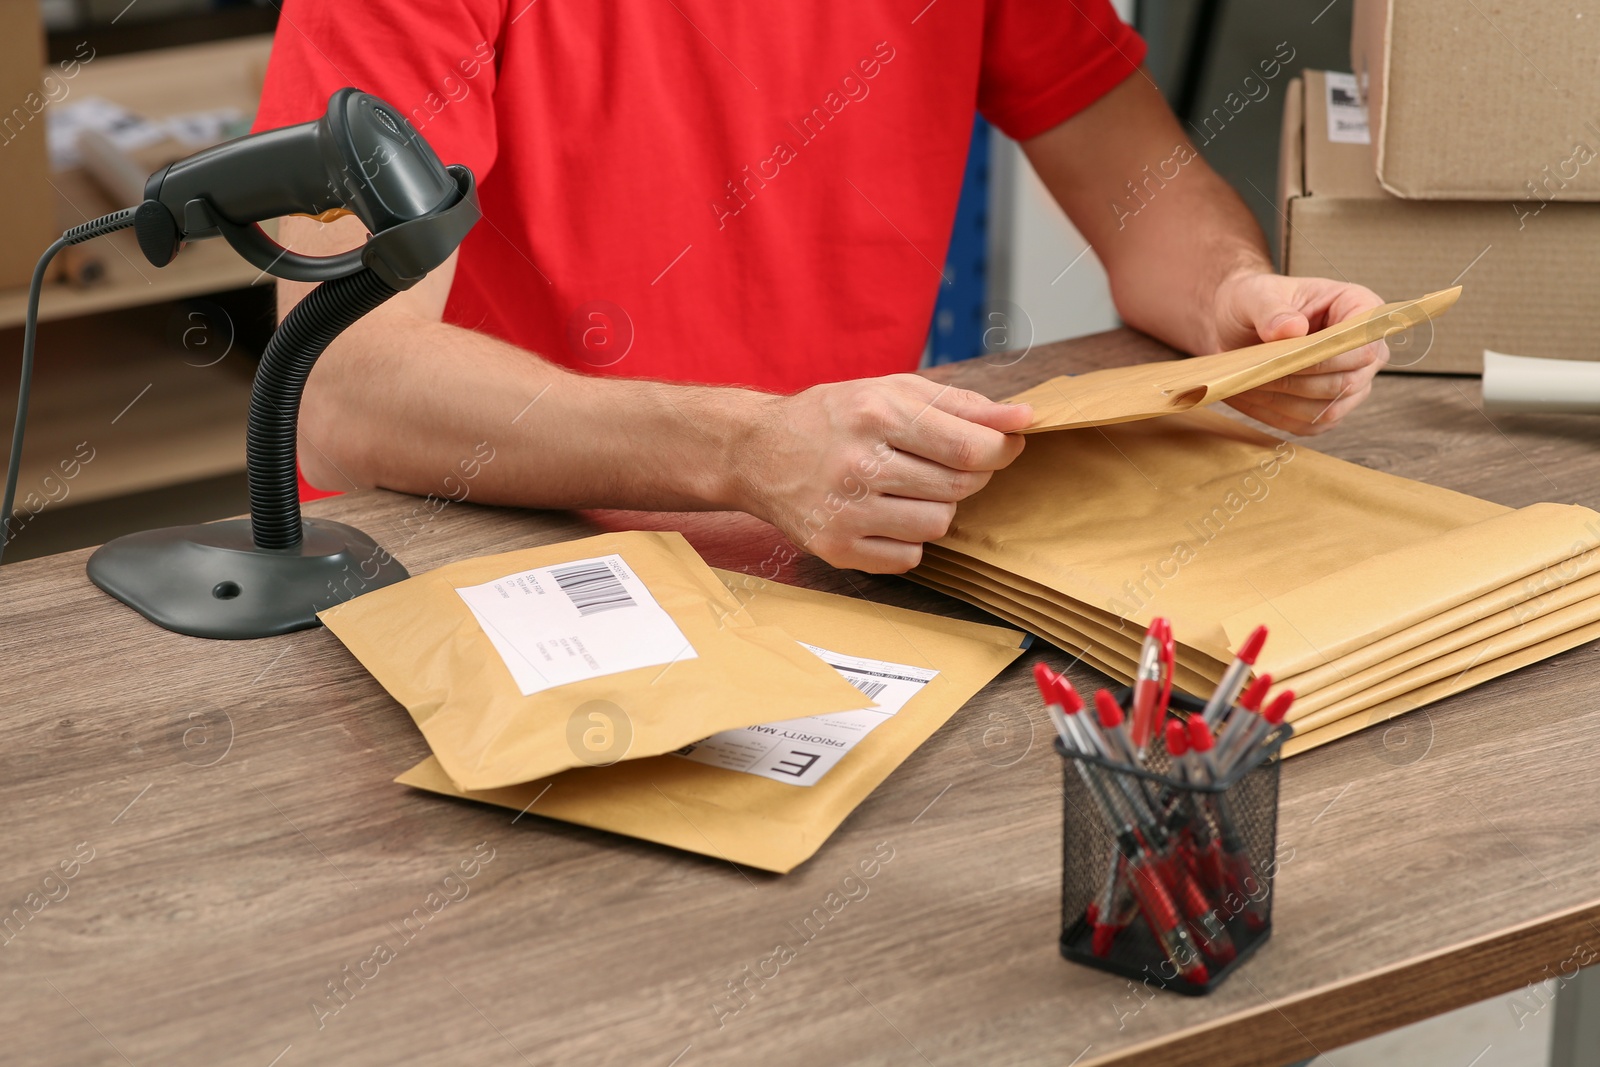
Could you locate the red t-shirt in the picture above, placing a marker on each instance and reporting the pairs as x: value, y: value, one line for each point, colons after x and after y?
x: 693, y: 190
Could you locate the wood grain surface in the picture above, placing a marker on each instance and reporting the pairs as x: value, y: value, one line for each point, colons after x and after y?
x: 248, y: 848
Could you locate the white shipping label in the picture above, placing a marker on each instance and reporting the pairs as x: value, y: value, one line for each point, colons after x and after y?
x: 801, y: 751
x: 1347, y: 115
x: 572, y: 621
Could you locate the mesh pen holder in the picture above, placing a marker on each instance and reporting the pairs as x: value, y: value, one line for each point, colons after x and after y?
x: 1206, y: 875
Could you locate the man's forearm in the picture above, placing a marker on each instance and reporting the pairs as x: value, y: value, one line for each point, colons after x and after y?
x: 1187, y: 261
x: 1166, y: 264
x: 860, y: 473
x: 1167, y: 228
x: 403, y: 403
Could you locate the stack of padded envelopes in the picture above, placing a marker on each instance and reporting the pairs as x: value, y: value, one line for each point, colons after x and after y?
x: 1382, y: 594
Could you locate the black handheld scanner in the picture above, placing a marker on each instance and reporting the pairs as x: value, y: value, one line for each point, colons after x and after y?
x: 362, y: 157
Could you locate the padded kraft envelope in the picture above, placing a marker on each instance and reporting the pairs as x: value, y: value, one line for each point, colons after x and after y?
x: 1563, y: 617
x: 1100, y: 648
x: 1196, y: 517
x: 1436, y: 575
x: 1341, y: 682
x: 1377, y: 588
x: 519, y: 665
x: 1063, y: 637
x: 723, y: 798
x: 1513, y: 604
x: 1114, y: 636
x: 1148, y: 390
x: 1426, y: 665
x: 1487, y: 667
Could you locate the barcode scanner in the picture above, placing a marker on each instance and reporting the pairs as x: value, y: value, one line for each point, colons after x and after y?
x: 272, y: 572
x: 361, y: 157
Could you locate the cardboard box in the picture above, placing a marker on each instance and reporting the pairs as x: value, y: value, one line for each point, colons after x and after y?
x: 28, y: 207
x: 1473, y: 100
x: 1528, y: 274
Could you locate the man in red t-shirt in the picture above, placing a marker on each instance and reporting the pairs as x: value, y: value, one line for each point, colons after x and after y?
x: 753, y: 198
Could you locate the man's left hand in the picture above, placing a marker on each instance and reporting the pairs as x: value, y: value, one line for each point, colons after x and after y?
x: 1254, y: 306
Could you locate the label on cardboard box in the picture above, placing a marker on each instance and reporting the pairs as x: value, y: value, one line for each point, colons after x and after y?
x: 584, y: 619
x: 801, y: 751
x: 1347, y: 116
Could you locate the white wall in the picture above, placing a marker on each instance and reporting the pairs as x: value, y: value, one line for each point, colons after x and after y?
x: 1038, y: 261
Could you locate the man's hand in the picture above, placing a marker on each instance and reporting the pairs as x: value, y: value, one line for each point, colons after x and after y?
x: 1188, y: 264
x: 861, y: 473
x: 1255, y: 306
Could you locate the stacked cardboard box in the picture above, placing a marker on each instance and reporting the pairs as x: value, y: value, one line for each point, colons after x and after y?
x: 1526, y: 274
x: 1482, y: 166
x: 1481, y: 101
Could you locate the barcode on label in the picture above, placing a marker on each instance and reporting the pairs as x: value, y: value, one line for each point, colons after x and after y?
x: 592, y: 587
x: 872, y: 689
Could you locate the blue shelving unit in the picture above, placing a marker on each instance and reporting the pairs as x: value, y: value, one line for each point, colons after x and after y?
x: 958, y: 323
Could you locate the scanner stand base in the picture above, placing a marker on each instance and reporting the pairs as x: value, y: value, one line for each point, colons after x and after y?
x: 210, y: 580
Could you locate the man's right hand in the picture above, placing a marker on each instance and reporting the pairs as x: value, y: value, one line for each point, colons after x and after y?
x: 861, y: 473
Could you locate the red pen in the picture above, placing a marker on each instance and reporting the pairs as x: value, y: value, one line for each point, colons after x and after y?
x: 1062, y: 704
x: 1114, y: 907
x: 1236, y: 727
x: 1083, y: 726
x: 1234, y: 678
x: 1169, y: 662
x: 1044, y: 677
x: 1160, y: 913
x: 1203, y: 745
x: 1182, y: 863
x: 1115, y: 729
x: 1051, y: 694
x: 1271, y: 716
x: 1206, y: 921
x: 1114, y: 726
x: 1178, y: 748
x: 1152, y: 684
x: 1205, y: 851
x: 1113, y: 910
x: 1240, y: 876
x: 1184, y: 810
x: 1062, y: 699
x: 1138, y: 805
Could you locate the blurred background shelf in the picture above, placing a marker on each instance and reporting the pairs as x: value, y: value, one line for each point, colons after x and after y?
x: 124, y: 406
x: 146, y: 369
x: 157, y: 85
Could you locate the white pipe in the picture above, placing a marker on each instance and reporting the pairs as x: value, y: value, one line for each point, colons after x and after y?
x: 1513, y: 384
